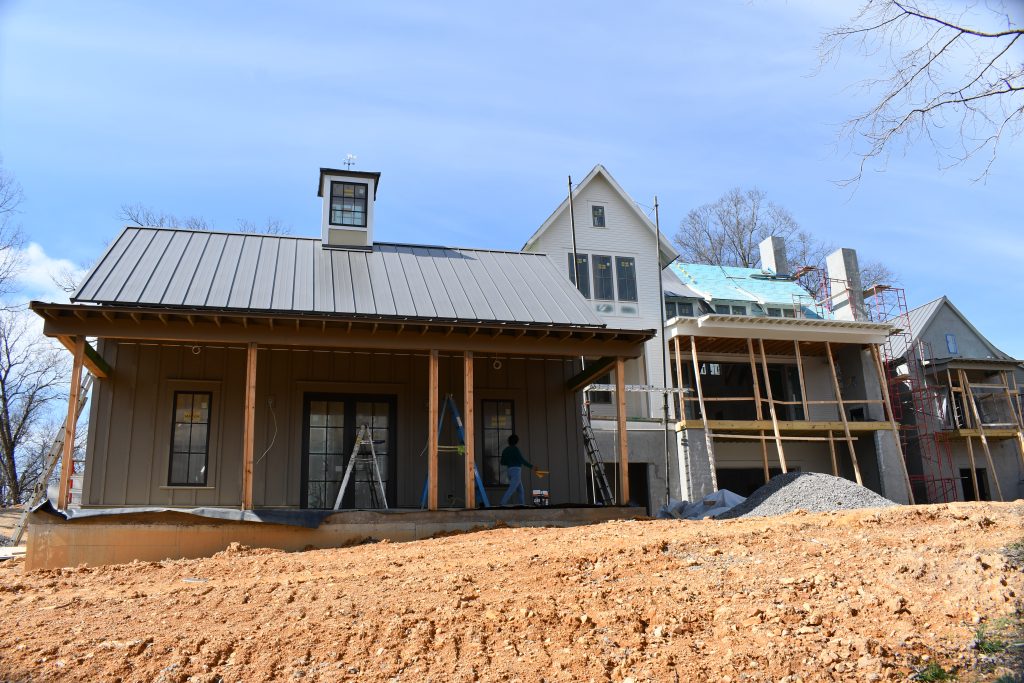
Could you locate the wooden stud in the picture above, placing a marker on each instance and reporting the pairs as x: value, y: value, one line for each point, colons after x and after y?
x: 832, y: 452
x: 708, y: 436
x: 249, y: 436
x: 468, y: 427
x: 758, y: 408
x: 842, y: 413
x: 1013, y: 415
x: 67, y: 457
x: 771, y: 407
x: 800, y: 374
x: 965, y: 385
x: 620, y: 414
x: 432, y: 411
x: 883, y: 384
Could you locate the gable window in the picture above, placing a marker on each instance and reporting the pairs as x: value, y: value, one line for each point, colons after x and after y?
x: 739, y: 310
x: 951, y: 344
x: 788, y: 313
x: 583, y: 266
x: 625, y: 272
x: 722, y: 309
x: 597, y: 215
x: 190, y: 439
x: 498, y: 423
x: 348, y: 204
x: 774, y: 312
x: 604, y: 281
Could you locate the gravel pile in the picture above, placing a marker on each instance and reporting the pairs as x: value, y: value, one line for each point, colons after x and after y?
x: 810, y: 491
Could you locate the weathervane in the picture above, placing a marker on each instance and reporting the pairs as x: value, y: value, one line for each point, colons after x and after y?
x: 349, y: 160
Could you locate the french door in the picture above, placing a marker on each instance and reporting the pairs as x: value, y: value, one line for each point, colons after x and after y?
x: 331, y: 423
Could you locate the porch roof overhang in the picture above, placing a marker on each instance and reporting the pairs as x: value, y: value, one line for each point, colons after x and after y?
x: 198, y: 326
x: 742, y: 327
x: 994, y: 364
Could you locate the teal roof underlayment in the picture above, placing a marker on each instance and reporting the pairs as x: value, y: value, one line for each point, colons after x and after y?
x: 732, y: 283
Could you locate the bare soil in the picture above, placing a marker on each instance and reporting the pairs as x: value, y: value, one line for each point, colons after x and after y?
x: 853, y: 596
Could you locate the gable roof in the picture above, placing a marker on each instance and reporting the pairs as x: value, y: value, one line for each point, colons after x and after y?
x: 668, y: 252
x: 188, y: 269
x: 733, y: 283
x: 921, y: 318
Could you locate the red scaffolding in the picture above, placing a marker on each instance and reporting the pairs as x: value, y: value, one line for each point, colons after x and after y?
x: 916, y: 405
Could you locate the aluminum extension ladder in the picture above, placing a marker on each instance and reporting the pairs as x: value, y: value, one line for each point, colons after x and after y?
x: 363, y: 438
x: 49, y: 465
x: 601, y: 488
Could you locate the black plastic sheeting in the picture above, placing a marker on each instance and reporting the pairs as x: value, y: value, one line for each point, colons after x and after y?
x: 310, y: 519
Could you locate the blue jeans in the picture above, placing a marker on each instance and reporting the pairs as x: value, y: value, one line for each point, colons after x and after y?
x: 515, y: 481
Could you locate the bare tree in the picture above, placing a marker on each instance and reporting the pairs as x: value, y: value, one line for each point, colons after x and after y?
x: 143, y: 216
x: 728, y: 232
x: 947, y: 66
x: 11, y: 237
x: 33, y: 373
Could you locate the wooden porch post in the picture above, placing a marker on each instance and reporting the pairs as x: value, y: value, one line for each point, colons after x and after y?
x: 249, y: 436
x: 67, y: 462
x: 965, y: 386
x: 758, y: 408
x: 709, y: 438
x: 891, y: 416
x: 842, y: 413
x: 432, y: 407
x: 620, y: 415
x: 1013, y: 415
x: 469, y: 431
x: 771, y: 407
x: 966, y: 420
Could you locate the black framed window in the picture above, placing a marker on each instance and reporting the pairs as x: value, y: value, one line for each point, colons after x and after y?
x: 685, y: 308
x: 604, y: 279
x: 498, y: 422
x: 348, y: 204
x: 722, y: 309
x: 190, y: 439
x: 597, y: 215
x: 670, y: 310
x: 774, y: 312
x: 583, y: 266
x: 739, y: 310
x: 625, y: 273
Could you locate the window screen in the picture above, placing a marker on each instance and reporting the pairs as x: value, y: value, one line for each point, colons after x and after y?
x: 583, y: 266
x: 348, y: 204
x: 625, y: 271
x: 190, y: 440
x: 604, y: 282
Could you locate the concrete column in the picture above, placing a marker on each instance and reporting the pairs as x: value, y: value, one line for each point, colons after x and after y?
x: 847, y: 289
x: 773, y: 255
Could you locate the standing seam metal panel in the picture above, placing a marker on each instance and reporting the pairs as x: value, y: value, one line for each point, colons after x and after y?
x: 155, y: 290
x: 478, y: 300
x: 245, y: 273
x: 442, y: 259
x: 400, y: 291
x: 435, y: 285
x: 125, y: 267
x: 196, y: 273
x: 383, y: 299
x: 323, y: 281
x: 344, y: 293
x: 424, y: 306
x: 303, y: 288
x: 362, y: 288
x: 506, y: 288
x: 224, y: 277
x: 266, y: 274
x: 148, y: 262
x: 95, y: 280
x: 284, y: 277
x: 489, y: 289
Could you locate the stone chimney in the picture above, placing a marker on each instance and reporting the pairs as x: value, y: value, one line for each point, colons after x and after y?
x: 348, y: 198
x: 773, y: 256
x: 847, y: 291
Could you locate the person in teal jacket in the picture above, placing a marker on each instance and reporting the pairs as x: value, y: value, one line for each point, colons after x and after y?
x: 513, y: 459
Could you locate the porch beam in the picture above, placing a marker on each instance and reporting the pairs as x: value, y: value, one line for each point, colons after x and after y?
x: 620, y: 415
x: 432, y: 411
x: 589, y: 374
x: 67, y: 462
x: 93, y: 361
x: 468, y: 429
x: 249, y: 435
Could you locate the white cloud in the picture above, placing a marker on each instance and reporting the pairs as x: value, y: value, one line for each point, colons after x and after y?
x: 35, y: 281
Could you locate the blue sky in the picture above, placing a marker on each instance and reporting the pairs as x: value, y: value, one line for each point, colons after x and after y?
x: 475, y: 113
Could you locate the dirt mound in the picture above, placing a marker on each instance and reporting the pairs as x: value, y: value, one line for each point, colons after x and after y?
x: 807, y: 491
x: 863, y: 595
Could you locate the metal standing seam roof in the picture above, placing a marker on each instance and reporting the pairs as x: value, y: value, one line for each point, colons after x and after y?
x: 234, y: 271
x: 732, y: 283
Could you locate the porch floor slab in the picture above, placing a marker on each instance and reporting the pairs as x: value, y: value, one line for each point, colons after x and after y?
x: 125, y: 535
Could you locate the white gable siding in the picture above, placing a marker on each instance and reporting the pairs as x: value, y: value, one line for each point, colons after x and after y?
x: 624, y: 235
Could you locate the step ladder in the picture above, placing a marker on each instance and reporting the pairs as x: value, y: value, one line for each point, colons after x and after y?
x: 460, y: 448
x: 363, y: 440
x: 602, y: 491
x: 50, y: 464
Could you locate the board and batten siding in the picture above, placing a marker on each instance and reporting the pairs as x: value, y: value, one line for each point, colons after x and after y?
x: 131, y: 413
x: 623, y: 235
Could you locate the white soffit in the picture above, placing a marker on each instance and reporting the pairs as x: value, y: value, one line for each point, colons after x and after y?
x: 797, y: 329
